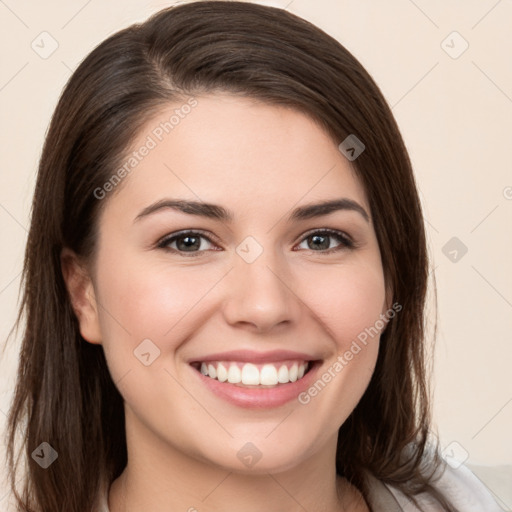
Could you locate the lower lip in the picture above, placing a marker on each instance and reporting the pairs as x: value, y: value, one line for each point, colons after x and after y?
x: 262, y: 398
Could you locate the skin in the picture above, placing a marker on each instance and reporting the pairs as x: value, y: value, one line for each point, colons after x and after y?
x: 260, y: 162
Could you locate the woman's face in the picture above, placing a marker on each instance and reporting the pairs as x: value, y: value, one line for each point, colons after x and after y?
x: 264, y: 285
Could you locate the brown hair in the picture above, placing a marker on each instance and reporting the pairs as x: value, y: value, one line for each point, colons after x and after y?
x: 64, y: 393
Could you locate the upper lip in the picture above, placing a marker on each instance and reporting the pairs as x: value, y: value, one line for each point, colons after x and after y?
x: 251, y: 356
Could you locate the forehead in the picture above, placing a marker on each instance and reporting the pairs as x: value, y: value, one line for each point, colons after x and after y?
x: 235, y: 151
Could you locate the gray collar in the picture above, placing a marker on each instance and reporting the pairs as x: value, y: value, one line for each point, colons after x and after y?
x: 380, y: 498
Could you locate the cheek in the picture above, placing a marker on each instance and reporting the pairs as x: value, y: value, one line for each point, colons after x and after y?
x: 349, y: 308
x: 138, y: 301
x: 348, y: 300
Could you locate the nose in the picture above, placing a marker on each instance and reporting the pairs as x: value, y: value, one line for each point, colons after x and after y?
x: 260, y: 295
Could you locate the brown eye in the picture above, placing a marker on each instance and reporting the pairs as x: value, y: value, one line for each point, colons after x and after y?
x: 188, y: 243
x: 191, y: 242
x: 322, y: 241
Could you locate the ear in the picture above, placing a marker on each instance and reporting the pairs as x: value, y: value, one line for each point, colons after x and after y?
x: 81, y: 293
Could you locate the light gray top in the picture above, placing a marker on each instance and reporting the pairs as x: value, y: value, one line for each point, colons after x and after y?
x: 460, y: 486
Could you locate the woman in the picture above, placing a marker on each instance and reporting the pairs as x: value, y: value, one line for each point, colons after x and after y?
x: 225, y: 280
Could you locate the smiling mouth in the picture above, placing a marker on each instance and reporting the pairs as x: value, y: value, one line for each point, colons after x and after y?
x: 266, y: 375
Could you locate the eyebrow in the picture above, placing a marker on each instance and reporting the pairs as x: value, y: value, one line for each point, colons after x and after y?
x: 213, y: 211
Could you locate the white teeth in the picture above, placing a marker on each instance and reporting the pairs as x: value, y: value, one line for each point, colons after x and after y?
x: 268, y: 375
x: 212, y: 372
x: 294, y: 371
x: 283, y: 375
x: 222, y: 373
x: 252, y: 375
x: 234, y: 374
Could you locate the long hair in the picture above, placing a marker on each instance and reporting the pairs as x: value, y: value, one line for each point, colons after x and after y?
x: 64, y: 393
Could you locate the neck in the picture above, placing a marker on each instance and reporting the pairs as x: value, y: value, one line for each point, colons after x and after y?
x: 160, y: 477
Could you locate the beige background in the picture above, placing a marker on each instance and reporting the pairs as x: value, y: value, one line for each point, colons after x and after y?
x: 455, y: 113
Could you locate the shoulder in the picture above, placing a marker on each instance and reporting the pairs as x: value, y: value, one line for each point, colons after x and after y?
x: 461, y: 488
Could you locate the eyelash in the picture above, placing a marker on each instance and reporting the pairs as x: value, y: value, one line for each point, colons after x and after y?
x: 345, y: 242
